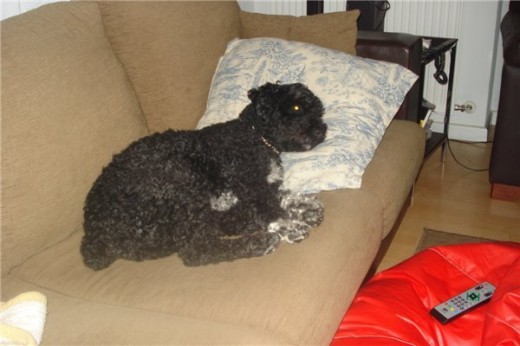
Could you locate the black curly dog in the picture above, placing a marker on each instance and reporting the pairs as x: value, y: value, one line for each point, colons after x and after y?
x: 209, y: 195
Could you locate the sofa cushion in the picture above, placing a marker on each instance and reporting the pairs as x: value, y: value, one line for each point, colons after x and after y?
x: 67, y: 106
x: 337, y: 30
x: 73, y: 321
x: 296, y: 295
x: 170, y: 50
x: 360, y: 97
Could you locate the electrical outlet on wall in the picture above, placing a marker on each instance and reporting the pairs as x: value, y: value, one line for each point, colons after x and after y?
x: 468, y: 107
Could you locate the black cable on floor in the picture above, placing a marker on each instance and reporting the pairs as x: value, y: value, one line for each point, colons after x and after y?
x: 469, y: 142
x: 460, y: 163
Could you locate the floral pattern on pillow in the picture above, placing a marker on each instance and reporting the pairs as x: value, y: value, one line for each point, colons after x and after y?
x: 360, y: 96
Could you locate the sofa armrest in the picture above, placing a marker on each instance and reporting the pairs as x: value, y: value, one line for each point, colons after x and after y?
x: 403, y: 49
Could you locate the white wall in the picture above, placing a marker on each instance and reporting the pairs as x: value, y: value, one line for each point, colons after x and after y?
x: 288, y: 7
x: 475, y: 69
x: 285, y: 7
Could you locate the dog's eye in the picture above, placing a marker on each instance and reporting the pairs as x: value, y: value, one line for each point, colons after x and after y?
x: 296, y: 108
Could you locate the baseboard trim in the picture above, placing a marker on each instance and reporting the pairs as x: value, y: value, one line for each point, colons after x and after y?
x: 463, y: 132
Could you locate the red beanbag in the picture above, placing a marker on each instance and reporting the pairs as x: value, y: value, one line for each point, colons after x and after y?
x: 393, y: 307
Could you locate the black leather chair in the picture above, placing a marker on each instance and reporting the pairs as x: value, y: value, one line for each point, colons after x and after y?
x: 504, y: 169
x: 402, y: 49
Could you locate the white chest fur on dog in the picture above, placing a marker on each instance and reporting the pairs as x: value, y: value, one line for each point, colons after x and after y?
x: 224, y: 202
x: 276, y: 174
x: 227, y: 199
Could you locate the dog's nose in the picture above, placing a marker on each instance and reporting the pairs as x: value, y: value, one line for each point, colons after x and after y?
x: 319, y: 132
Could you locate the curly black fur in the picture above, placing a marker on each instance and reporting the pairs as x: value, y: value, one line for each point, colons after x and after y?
x: 207, y: 195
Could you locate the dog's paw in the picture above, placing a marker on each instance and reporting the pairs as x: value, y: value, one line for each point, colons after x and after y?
x: 289, y: 231
x: 305, y: 208
x: 272, y: 244
x: 262, y: 244
x: 313, y: 217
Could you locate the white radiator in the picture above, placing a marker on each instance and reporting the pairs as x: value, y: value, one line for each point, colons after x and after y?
x: 282, y: 7
x: 428, y: 18
x: 299, y: 7
x: 334, y: 6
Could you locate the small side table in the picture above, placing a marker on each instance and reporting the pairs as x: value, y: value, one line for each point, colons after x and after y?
x: 438, y: 47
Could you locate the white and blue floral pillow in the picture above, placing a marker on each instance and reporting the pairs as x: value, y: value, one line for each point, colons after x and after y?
x: 360, y: 96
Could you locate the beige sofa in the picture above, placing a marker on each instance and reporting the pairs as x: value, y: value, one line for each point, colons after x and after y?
x: 80, y: 81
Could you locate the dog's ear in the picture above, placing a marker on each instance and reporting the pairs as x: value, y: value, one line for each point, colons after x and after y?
x: 253, y: 94
x: 267, y: 88
x: 260, y: 101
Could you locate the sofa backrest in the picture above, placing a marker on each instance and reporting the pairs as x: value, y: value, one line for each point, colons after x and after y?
x: 170, y: 51
x: 67, y: 106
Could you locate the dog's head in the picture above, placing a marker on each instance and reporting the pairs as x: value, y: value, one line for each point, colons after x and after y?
x: 289, y: 116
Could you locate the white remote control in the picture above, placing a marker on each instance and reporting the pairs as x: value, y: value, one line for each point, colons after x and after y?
x: 460, y: 304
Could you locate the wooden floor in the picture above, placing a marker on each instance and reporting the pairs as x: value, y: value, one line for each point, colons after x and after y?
x: 453, y: 199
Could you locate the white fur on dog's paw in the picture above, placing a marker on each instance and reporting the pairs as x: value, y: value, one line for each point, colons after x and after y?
x: 289, y: 231
x: 305, y: 208
x: 272, y: 247
x: 224, y: 201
